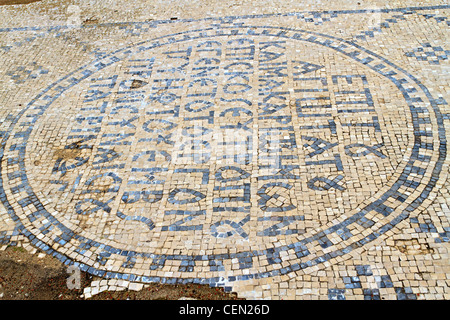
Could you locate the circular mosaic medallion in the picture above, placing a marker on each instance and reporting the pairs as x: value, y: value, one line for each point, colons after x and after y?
x: 221, y: 154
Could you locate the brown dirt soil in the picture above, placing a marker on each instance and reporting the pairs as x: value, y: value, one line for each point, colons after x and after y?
x: 10, y: 2
x: 25, y: 276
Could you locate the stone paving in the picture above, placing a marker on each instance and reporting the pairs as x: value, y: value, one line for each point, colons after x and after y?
x: 282, y: 150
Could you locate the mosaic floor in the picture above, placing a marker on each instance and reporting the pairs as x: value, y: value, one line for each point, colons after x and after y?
x: 280, y: 150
